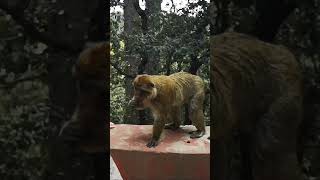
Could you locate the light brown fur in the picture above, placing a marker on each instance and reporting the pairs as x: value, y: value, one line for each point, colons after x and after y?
x: 165, y: 95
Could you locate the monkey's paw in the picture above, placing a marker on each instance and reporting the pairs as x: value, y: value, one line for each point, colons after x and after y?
x: 197, y: 134
x: 171, y: 126
x: 152, y: 143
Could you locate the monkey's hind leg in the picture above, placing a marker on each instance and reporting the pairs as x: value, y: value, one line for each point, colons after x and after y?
x: 197, y: 134
x: 196, y: 115
x: 275, y: 141
x: 175, y: 119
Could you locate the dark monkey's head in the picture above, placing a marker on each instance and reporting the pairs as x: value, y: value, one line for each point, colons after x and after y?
x: 91, y: 70
x: 144, y: 92
x: 89, y: 122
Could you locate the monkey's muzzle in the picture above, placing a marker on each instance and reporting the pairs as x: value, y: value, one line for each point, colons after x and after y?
x: 135, y: 104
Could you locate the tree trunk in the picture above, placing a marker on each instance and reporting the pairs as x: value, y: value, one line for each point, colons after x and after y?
x: 154, y: 8
x: 149, y: 61
x: 130, y: 17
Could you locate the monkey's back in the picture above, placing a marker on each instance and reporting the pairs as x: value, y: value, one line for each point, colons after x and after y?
x: 177, y: 88
x: 249, y: 75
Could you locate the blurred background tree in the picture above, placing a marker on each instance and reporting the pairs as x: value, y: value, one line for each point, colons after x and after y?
x: 39, y: 43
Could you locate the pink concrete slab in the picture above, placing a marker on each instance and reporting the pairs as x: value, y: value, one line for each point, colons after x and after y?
x: 176, y: 157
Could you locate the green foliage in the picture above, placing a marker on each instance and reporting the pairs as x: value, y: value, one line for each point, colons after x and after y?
x: 24, y: 111
x: 117, y: 94
x: 23, y: 128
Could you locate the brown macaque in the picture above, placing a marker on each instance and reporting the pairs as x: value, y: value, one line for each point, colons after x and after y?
x: 165, y: 96
x: 88, y: 126
x: 257, y: 91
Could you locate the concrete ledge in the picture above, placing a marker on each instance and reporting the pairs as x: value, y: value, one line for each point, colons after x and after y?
x: 176, y: 157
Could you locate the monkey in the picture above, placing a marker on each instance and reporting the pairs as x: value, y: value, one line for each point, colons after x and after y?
x: 257, y: 91
x: 165, y: 95
x: 88, y: 125
x: 86, y: 132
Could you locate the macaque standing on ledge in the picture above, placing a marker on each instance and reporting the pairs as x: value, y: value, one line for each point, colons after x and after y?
x: 165, y: 96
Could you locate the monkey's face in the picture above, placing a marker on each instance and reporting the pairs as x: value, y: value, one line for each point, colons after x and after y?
x: 144, y: 92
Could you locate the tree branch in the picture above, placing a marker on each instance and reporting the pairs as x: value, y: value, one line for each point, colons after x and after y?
x: 143, y: 15
x: 141, y: 12
x: 13, y: 83
x: 32, y: 31
x: 18, y: 6
x: 194, y: 64
x: 115, y: 66
x: 144, y: 26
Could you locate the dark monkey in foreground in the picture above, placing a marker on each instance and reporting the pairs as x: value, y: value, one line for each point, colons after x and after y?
x: 165, y: 96
x: 87, y: 129
x: 256, y: 90
x: 88, y: 126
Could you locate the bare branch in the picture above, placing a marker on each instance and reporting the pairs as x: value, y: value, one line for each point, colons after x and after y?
x: 194, y: 64
x: 143, y: 15
x: 115, y: 66
x: 173, y: 7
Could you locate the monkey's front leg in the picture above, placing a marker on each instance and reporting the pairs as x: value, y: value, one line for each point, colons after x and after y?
x: 158, y: 126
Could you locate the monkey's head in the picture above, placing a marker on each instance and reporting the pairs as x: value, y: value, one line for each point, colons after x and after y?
x: 91, y: 69
x: 144, y: 92
x: 93, y: 62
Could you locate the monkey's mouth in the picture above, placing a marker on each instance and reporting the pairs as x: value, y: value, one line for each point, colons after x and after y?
x: 137, y: 105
